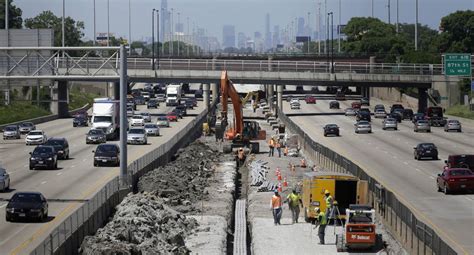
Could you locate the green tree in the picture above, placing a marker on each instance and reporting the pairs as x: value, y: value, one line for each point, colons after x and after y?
x: 457, y: 32
x: 47, y: 19
x: 141, y: 45
x: 14, y: 15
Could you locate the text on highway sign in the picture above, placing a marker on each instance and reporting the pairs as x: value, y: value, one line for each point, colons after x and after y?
x: 457, y: 64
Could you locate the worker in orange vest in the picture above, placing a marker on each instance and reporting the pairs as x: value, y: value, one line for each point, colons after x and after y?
x: 240, y: 157
x: 278, y: 146
x: 271, y: 145
x: 276, y: 207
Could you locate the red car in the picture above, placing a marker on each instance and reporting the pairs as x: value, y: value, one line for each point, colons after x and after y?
x: 172, y: 116
x: 455, y: 179
x: 310, y: 100
x: 355, y: 105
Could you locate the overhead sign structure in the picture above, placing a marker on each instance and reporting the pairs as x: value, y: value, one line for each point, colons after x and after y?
x: 303, y: 39
x: 457, y: 64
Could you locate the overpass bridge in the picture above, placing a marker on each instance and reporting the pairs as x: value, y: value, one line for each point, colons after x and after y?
x: 102, y: 64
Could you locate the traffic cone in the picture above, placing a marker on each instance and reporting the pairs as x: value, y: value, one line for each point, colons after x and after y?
x: 279, y: 177
x: 285, y: 183
x: 279, y: 187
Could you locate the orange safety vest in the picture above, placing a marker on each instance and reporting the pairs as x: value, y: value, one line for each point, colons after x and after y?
x: 271, y: 143
x: 276, y: 202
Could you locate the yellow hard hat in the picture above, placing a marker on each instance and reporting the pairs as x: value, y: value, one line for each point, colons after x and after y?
x: 327, y: 192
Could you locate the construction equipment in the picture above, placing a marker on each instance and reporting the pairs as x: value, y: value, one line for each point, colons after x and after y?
x: 249, y: 96
x: 344, y: 188
x: 359, y: 231
x: 240, y: 132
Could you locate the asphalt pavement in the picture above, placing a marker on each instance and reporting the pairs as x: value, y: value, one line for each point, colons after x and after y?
x: 388, y: 156
x: 75, y: 178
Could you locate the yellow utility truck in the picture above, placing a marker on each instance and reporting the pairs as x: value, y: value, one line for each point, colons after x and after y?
x: 345, y: 189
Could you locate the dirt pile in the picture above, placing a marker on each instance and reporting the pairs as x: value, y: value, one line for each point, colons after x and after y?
x: 183, y: 182
x: 142, y: 225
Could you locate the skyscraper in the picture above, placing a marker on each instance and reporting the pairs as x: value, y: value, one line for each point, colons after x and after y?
x: 228, y: 36
x: 268, y: 34
x: 276, y: 36
x: 241, y: 40
x: 165, y: 20
x: 300, y: 28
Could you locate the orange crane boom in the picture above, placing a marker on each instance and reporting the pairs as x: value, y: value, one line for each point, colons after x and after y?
x: 228, y: 90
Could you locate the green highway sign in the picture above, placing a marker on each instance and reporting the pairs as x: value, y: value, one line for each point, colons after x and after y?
x: 457, y: 64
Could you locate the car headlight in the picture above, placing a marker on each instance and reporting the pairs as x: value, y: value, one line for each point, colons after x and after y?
x: 50, y: 158
x: 60, y: 151
x: 97, y: 158
x: 10, y: 210
x: 32, y: 158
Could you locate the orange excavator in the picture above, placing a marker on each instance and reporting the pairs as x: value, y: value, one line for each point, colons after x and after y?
x: 240, y: 133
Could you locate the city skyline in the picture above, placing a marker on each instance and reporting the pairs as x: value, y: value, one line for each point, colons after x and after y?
x: 237, y: 13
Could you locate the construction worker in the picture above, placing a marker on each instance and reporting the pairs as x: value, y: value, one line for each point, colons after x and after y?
x: 329, y: 203
x: 285, y: 151
x: 294, y: 203
x: 278, y: 146
x: 276, y: 208
x: 271, y: 145
x: 321, y: 221
x: 240, y: 157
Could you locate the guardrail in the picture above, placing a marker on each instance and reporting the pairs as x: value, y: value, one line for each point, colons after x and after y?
x: 90, y: 63
x: 93, y: 214
x: 403, y: 223
x: 44, y: 119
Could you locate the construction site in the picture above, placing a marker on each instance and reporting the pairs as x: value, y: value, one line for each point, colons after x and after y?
x: 214, y: 197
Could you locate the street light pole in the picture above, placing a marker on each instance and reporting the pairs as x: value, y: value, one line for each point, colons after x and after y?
x: 108, y: 23
x: 339, y: 29
x: 319, y: 28
x: 163, y: 30
x: 416, y: 25
x: 397, y: 16
x: 327, y: 26
x: 153, y: 39
x: 309, y: 32
x: 7, y: 5
x: 187, y: 46
x: 177, y: 36
x: 332, y: 42
x: 158, y: 39
x: 372, y: 7
x: 172, y: 32
x: 62, y: 23
x: 130, y: 26
x: 95, y: 35
x: 327, y: 41
x: 388, y: 7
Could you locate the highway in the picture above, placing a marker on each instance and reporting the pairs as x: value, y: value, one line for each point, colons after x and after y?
x: 388, y: 157
x: 76, y: 178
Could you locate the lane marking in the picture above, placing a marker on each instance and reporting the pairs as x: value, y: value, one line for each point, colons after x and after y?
x: 73, y: 166
x: 59, y: 174
x: 468, y: 198
x: 406, y: 163
x: 432, y: 177
x: 61, y: 215
x: 44, y: 182
x: 418, y: 170
x: 84, y: 160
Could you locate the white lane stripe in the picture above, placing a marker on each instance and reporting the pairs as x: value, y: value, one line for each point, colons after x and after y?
x: 84, y: 160
x: 468, y: 198
x: 25, y: 165
x: 418, y: 170
x: 59, y: 174
x: 406, y: 163
x: 1, y: 206
x: 73, y: 166
x: 44, y: 182
x: 432, y: 177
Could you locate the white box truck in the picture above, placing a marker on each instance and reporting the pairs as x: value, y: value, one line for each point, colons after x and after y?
x: 106, y: 116
x: 173, y: 95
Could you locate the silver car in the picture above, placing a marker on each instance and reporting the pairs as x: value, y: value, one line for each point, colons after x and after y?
x: 294, y: 105
x: 152, y: 129
x: 350, y: 112
x: 137, y: 136
x: 363, y: 127
x: 26, y: 127
x: 163, y: 121
x: 389, y: 123
x: 4, y: 180
x: 380, y: 113
x: 453, y: 125
x: 422, y: 125
x: 11, y: 132
x: 95, y: 136
x: 146, y: 116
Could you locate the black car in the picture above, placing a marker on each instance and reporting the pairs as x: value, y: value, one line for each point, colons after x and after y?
x: 183, y: 109
x: 407, y: 114
x: 365, y: 101
x: 396, y: 106
x: 333, y: 105
x: 379, y: 106
x: 139, y: 100
x: 107, y: 154
x: 331, y: 129
x: 152, y: 103
x: 189, y: 104
x: 44, y: 156
x: 425, y: 150
x: 198, y: 93
x: 396, y: 116
x: 178, y: 112
x: 80, y: 121
x: 27, y: 205
x: 417, y: 117
x: 60, y: 145
x: 194, y: 100
x: 96, y: 136
x: 363, y: 115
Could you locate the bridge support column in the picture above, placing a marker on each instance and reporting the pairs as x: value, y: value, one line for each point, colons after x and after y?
x: 205, y: 95
x: 116, y: 90
x: 422, y: 99
x: 280, y: 97
x: 60, y: 97
x: 270, y: 98
x: 215, y: 92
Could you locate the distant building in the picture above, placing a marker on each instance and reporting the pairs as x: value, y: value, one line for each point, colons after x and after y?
x: 276, y: 36
x: 241, y: 40
x: 165, y: 20
x: 268, y: 34
x: 228, y: 36
x: 300, y: 28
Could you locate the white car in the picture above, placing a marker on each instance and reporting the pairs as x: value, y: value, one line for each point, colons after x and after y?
x: 146, y: 95
x: 350, y: 112
x: 146, y: 116
x: 137, y: 120
x: 380, y: 113
x: 36, y: 137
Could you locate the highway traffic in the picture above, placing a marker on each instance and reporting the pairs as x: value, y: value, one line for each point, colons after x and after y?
x: 388, y: 155
x: 75, y: 178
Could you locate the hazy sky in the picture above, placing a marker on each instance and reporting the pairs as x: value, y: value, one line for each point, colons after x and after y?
x: 248, y: 16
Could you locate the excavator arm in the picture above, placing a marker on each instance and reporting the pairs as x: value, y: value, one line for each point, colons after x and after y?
x: 228, y: 90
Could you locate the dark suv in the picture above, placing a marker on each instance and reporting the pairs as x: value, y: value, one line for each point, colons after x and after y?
x: 363, y: 115
x: 60, y: 145
x: 333, y: 105
x: 80, y: 121
x: 408, y: 114
x: 44, y: 156
x: 27, y: 205
x: 461, y: 161
x: 425, y: 150
x: 107, y: 154
x: 331, y: 129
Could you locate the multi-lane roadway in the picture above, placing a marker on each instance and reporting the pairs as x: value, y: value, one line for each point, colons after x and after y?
x: 75, y: 178
x: 388, y: 156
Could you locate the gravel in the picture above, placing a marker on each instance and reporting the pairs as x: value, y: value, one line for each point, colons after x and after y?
x: 143, y: 225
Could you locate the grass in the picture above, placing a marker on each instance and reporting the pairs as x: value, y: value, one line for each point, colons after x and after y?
x: 461, y: 111
x: 78, y: 99
x: 18, y: 111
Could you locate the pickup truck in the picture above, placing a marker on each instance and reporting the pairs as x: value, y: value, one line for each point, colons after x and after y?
x: 455, y: 179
